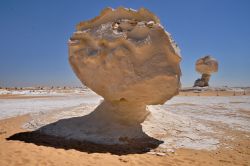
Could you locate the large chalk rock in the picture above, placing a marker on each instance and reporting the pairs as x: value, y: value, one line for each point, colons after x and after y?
x: 205, y: 66
x: 127, y: 57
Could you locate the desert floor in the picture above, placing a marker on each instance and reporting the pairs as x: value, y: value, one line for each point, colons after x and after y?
x: 228, y: 132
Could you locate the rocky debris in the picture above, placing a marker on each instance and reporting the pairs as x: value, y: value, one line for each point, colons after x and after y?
x: 205, y: 66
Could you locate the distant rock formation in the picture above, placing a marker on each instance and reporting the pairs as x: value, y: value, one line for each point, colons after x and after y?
x: 205, y: 66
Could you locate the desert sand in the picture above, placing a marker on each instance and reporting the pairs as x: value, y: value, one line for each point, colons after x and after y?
x: 232, y: 146
x: 20, y: 153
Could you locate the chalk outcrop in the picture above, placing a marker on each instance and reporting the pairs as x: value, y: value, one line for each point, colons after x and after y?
x: 205, y: 66
x: 127, y: 57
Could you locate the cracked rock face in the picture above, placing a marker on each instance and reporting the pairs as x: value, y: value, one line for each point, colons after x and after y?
x: 127, y: 57
x: 205, y: 66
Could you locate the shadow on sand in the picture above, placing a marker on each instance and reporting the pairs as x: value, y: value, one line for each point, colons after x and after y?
x: 136, y: 146
x: 79, y: 133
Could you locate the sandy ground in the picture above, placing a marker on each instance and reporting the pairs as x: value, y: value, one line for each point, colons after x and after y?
x: 20, y: 153
x: 234, y: 149
x: 215, y: 93
x: 181, y: 93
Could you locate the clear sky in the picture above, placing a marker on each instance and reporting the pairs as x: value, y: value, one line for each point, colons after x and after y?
x: 34, y: 35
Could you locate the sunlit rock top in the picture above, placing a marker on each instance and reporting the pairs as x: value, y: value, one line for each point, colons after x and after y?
x: 206, y: 65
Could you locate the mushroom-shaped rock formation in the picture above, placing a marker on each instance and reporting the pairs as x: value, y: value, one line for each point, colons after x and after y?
x: 128, y: 58
x: 205, y: 66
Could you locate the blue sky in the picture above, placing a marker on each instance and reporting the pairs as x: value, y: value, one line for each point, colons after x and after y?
x: 34, y: 35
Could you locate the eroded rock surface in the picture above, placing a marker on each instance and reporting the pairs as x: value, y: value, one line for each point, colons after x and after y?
x: 205, y: 66
x: 128, y: 58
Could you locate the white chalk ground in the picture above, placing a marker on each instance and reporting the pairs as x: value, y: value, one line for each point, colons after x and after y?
x: 184, y: 121
x: 46, y: 92
x: 196, y: 122
x: 57, y: 101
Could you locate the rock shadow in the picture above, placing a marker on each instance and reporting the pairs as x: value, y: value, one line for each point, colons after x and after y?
x: 96, y: 132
